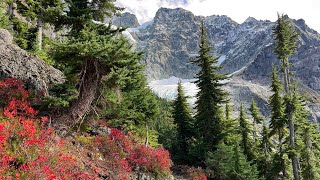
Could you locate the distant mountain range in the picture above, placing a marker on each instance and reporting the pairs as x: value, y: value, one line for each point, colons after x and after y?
x: 170, y: 41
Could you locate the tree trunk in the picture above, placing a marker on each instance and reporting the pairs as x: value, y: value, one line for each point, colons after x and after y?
x: 10, y: 14
x: 90, y: 79
x: 294, y: 158
x: 283, y: 164
x: 40, y: 29
x: 254, y: 131
x: 147, y: 137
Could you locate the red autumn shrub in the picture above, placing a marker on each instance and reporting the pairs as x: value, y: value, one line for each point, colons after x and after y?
x: 12, y: 88
x: 28, y: 149
x: 115, y: 148
x: 153, y: 160
x: 196, y: 173
x: 123, y: 155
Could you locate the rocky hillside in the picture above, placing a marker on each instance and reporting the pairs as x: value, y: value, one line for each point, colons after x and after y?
x: 16, y: 62
x: 170, y: 42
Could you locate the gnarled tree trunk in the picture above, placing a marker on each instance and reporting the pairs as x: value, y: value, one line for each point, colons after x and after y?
x: 90, y: 79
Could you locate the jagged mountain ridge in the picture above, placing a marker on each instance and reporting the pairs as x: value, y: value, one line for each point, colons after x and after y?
x: 170, y: 41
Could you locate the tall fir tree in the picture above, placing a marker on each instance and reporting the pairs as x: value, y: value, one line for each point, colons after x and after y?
x: 41, y: 11
x: 209, y: 98
x: 264, y: 149
x: 245, y: 132
x: 285, y: 46
x: 278, y: 123
x: 310, y: 153
x: 229, y: 126
x: 257, y: 118
x: 307, y: 137
x: 184, y: 121
x: 228, y: 162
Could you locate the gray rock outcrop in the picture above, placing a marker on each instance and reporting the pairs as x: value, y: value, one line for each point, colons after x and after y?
x: 16, y: 62
x: 125, y: 20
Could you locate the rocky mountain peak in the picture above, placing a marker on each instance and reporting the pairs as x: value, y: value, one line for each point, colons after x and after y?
x: 172, y: 15
x: 251, y: 20
x: 125, y: 20
x: 171, y: 41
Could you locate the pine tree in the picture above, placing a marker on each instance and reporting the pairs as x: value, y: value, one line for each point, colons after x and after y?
x: 285, y: 40
x: 228, y: 162
x: 229, y: 126
x: 42, y: 11
x: 245, y: 133
x: 82, y: 13
x: 209, y: 98
x: 257, y: 118
x: 307, y: 138
x: 310, y: 154
x: 4, y: 20
x: 93, y: 53
x: 264, y: 160
x: 183, y: 119
x: 277, y: 123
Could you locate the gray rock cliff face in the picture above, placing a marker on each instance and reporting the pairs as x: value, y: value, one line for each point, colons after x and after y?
x: 16, y: 62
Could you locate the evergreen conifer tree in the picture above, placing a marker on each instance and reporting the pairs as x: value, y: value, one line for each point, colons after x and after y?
x: 310, y: 153
x: 285, y: 46
x: 43, y: 11
x: 228, y: 162
x: 277, y: 123
x: 264, y: 149
x: 4, y: 20
x: 90, y: 51
x: 229, y: 126
x: 257, y: 118
x: 209, y: 98
x: 245, y: 133
x: 307, y: 138
x: 184, y: 121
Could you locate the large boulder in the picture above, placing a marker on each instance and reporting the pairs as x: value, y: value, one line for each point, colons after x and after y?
x: 16, y: 62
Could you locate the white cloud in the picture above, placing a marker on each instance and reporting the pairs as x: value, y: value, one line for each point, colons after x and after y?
x: 238, y: 10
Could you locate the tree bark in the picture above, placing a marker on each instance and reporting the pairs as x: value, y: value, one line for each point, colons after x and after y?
x: 10, y: 14
x: 40, y: 30
x: 294, y: 158
x: 90, y: 79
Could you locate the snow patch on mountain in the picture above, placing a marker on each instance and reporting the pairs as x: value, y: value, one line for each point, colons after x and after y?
x: 167, y: 88
x: 221, y: 59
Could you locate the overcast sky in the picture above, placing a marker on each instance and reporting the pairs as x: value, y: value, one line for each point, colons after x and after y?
x: 238, y: 10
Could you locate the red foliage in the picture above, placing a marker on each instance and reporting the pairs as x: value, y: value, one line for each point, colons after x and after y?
x: 196, y: 173
x: 28, y: 149
x: 153, y: 160
x: 123, y: 155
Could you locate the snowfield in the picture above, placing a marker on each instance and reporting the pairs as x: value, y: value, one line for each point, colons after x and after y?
x: 167, y: 88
